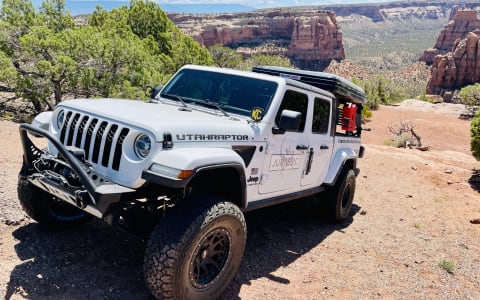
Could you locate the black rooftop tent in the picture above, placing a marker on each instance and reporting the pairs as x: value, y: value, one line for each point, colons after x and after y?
x: 344, y: 90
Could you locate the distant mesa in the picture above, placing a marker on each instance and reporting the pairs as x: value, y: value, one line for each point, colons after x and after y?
x: 456, y: 57
x: 310, y: 38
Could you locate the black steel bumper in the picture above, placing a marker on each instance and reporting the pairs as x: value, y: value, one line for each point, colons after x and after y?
x: 96, y: 194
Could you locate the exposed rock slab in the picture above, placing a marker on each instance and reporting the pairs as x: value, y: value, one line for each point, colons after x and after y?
x: 462, y: 22
x: 461, y: 65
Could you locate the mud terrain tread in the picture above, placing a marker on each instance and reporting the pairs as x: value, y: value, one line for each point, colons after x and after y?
x: 163, y: 255
x: 334, y: 203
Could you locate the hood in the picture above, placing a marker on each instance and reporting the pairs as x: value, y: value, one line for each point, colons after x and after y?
x: 157, y: 117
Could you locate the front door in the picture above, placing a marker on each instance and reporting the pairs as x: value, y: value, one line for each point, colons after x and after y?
x: 286, y: 152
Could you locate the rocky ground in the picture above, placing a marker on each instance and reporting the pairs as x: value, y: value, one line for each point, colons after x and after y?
x: 413, y: 210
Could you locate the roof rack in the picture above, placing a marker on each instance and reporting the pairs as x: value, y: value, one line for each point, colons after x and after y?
x: 344, y: 90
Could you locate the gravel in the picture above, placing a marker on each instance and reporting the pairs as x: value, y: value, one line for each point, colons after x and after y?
x: 408, y: 217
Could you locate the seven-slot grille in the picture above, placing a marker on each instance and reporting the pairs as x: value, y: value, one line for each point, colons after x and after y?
x: 101, y: 140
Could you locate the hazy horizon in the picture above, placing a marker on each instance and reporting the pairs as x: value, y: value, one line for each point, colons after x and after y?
x: 77, y: 7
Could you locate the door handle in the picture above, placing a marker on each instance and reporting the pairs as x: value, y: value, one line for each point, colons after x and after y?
x: 309, y: 163
x: 323, y: 147
x: 302, y: 147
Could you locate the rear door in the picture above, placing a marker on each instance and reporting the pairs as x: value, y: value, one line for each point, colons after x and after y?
x: 320, y: 143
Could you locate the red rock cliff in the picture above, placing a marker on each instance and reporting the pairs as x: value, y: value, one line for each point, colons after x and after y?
x: 316, y: 38
x: 458, y: 68
x: 311, y: 38
x: 463, y: 22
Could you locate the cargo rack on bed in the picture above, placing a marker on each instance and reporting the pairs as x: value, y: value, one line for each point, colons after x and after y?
x: 350, y: 97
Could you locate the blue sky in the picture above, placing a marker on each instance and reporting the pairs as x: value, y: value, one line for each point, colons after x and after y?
x: 268, y: 3
x: 201, y: 6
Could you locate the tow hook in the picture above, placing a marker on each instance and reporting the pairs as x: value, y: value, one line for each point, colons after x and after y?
x: 81, y: 199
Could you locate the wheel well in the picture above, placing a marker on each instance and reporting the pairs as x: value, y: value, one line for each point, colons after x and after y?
x: 228, y: 183
x: 350, y: 164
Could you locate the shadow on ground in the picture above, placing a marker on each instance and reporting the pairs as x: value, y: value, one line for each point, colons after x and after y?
x: 86, y: 262
x: 277, y: 236
x: 474, y: 180
x: 92, y: 262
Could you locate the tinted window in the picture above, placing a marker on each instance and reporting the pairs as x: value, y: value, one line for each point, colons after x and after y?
x: 321, y: 116
x: 294, y: 101
x: 237, y: 94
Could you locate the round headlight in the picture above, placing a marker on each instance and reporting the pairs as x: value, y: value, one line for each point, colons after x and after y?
x: 142, y: 146
x: 60, y: 118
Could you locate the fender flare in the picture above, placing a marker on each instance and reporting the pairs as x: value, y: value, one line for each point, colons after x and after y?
x: 197, y: 160
x: 340, y: 159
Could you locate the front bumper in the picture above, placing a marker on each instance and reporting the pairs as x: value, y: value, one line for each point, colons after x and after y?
x: 94, y: 195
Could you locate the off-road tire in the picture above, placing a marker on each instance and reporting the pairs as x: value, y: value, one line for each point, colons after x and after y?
x: 340, y: 196
x: 46, y: 209
x: 205, y: 232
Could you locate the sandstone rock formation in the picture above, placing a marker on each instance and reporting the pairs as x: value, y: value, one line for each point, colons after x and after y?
x: 457, y: 68
x: 315, y: 41
x: 311, y: 39
x: 310, y: 35
x: 398, y: 9
x: 463, y: 22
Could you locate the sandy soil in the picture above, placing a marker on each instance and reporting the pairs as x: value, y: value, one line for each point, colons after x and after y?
x: 412, y: 210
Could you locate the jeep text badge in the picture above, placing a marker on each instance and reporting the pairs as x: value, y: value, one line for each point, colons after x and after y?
x: 257, y: 114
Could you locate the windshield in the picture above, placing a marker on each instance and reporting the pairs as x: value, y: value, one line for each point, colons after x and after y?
x: 232, y: 93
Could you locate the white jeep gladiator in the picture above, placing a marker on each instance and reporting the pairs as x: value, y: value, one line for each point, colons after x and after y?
x: 180, y: 170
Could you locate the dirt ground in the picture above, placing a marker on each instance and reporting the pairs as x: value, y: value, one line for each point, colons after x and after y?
x: 413, y: 209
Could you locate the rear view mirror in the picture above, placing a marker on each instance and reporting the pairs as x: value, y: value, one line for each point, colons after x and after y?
x: 289, y: 121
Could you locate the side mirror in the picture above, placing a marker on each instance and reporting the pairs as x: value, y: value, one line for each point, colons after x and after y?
x: 289, y: 121
x: 151, y: 91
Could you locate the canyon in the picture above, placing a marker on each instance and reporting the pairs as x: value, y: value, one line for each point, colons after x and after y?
x: 315, y: 37
x: 310, y: 36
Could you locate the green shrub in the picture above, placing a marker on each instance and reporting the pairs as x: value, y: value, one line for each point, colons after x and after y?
x: 447, y: 265
x: 470, y: 95
x: 400, y: 141
x: 366, y: 113
x: 475, y: 135
x: 380, y: 90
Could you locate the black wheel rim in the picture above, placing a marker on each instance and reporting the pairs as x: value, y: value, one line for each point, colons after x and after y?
x: 210, y: 258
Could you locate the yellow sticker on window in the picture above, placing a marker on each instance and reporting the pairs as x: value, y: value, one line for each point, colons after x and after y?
x: 257, y: 114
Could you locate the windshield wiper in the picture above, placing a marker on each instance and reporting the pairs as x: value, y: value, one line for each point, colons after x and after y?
x: 175, y: 97
x: 213, y: 105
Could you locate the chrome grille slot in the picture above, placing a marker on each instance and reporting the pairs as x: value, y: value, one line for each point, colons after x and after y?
x: 101, y: 140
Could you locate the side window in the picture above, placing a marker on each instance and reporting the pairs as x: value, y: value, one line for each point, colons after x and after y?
x: 294, y: 101
x: 321, y: 116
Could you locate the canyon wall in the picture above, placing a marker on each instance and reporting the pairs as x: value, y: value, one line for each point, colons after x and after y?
x: 311, y: 35
x: 456, y: 69
x: 461, y: 23
x: 310, y: 39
